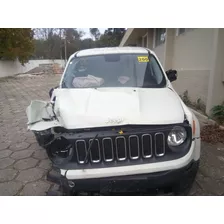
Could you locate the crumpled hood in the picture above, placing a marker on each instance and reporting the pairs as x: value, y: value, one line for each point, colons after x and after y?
x: 86, y: 108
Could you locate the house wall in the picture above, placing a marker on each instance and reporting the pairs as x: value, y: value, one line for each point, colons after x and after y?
x: 195, y: 82
x: 159, y: 50
x: 216, y: 79
x: 150, y: 38
x: 192, y: 49
x: 9, y: 68
x: 192, y: 59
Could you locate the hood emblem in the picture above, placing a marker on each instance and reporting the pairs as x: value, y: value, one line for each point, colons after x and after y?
x: 114, y: 121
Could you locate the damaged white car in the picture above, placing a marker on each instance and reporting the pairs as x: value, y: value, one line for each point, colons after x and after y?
x: 115, y: 125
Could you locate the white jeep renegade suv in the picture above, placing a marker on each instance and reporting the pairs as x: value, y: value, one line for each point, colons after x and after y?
x: 116, y: 125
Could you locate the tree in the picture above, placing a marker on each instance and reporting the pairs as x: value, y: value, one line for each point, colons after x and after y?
x: 40, y: 51
x: 16, y: 43
x: 87, y: 43
x: 73, y: 40
x: 95, y: 33
x: 111, y: 37
x: 50, y: 43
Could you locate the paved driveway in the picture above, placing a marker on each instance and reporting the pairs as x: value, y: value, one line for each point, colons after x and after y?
x: 23, y: 164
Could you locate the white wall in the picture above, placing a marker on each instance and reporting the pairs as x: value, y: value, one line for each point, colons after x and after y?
x: 192, y: 50
x: 9, y: 68
x: 159, y: 50
x: 192, y: 59
x: 216, y: 79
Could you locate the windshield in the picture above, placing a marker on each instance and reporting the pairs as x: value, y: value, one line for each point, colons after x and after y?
x: 114, y: 70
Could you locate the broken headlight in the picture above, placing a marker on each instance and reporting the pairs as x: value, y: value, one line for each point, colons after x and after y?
x: 177, y: 136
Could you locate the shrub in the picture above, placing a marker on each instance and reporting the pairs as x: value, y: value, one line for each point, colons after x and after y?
x: 199, y: 104
x: 185, y: 98
x: 218, y: 113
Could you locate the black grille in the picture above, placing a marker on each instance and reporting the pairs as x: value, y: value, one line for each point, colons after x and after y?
x: 137, y: 145
x: 121, y: 148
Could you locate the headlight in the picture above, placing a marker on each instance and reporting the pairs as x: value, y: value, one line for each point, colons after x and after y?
x: 177, y: 136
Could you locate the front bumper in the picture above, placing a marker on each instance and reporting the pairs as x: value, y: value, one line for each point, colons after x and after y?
x: 166, y: 182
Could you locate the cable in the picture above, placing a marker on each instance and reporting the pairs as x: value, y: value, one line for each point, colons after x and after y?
x: 88, y: 151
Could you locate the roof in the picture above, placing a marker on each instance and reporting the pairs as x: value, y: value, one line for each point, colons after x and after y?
x: 111, y: 50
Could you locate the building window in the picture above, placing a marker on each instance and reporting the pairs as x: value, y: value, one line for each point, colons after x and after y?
x: 182, y: 30
x: 160, y: 35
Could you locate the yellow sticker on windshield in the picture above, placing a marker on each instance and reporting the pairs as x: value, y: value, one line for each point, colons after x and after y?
x: 143, y: 59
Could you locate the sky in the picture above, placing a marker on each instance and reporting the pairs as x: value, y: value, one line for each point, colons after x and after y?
x: 86, y: 30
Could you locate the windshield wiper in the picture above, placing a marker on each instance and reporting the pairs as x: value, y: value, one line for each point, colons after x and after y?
x: 88, y: 151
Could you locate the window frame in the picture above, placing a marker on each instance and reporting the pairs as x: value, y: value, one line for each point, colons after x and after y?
x: 178, y: 33
x: 157, y: 43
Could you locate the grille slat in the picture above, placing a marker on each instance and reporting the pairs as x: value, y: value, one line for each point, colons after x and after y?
x: 146, y: 146
x: 159, y: 144
x: 134, y: 146
x: 81, y: 150
x: 121, y: 148
x: 108, y: 149
x: 95, y: 155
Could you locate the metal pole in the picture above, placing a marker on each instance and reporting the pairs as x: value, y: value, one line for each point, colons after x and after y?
x: 60, y: 44
x: 65, y: 51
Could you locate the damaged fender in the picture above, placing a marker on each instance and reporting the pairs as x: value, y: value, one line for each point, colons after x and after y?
x: 41, y: 120
x: 41, y: 116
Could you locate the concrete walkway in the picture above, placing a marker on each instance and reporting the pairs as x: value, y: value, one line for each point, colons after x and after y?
x: 23, y: 164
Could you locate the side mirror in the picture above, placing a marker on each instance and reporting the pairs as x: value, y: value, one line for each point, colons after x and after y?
x: 172, y: 75
x: 51, y: 92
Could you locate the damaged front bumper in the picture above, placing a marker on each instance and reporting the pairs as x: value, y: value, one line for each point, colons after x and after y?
x: 113, y: 151
x: 171, y: 182
x: 121, y: 173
